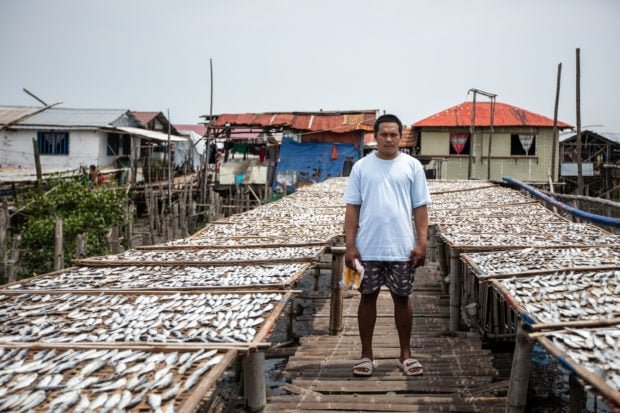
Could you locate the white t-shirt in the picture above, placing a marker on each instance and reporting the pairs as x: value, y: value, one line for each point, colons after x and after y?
x: 387, y: 191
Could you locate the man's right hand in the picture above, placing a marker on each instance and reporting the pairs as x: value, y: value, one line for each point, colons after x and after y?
x: 350, y: 255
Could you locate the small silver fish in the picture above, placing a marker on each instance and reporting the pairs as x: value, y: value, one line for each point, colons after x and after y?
x: 155, y: 401
x: 33, y: 400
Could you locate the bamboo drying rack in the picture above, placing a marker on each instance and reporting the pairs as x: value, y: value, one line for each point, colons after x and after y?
x: 597, y: 383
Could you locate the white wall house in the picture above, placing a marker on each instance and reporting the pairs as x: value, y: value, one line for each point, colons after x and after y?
x: 69, y: 138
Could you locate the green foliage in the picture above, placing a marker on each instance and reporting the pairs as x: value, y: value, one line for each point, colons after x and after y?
x: 83, y: 211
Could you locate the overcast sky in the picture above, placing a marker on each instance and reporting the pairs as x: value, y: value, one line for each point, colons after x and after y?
x: 412, y: 58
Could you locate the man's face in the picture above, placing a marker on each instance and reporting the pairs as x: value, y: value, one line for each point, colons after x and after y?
x: 388, y: 139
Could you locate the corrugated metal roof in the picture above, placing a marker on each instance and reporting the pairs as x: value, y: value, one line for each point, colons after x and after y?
x: 505, y: 115
x: 610, y: 136
x: 338, y: 122
x: 10, y: 114
x: 151, y: 134
x: 407, y: 139
x: 69, y: 117
x: 614, y: 137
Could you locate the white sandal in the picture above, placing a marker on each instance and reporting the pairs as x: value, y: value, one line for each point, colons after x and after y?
x: 364, y: 368
x: 409, y: 364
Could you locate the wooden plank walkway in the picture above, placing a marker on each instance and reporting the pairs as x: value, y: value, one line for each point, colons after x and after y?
x: 458, y: 372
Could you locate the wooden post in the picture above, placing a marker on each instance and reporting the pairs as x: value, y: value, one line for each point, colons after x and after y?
x: 182, y: 211
x: 455, y: 290
x: 3, y: 231
x: 555, y: 122
x: 189, y: 212
x: 59, y: 256
x: 578, y: 121
x: 37, y: 164
x: 175, y: 221
x: 317, y: 275
x: 290, y: 321
x: 131, y: 210
x: 80, y: 246
x: 114, y: 241
x: 520, y: 373
x: 577, y: 394
x: 147, y: 239
x: 134, y: 155
x: 444, y: 270
x: 164, y: 229
x: 12, y: 270
x: 336, y: 302
x: 472, y: 136
x: 432, y: 235
x: 254, y: 381
x: 491, y: 130
x: 170, y: 163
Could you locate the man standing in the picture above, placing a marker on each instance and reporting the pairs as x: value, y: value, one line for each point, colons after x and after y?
x: 383, y: 191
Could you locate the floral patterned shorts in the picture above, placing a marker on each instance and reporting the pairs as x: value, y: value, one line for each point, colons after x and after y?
x: 398, y: 276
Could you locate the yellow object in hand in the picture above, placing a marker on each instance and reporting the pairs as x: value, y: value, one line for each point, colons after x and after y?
x: 353, y: 276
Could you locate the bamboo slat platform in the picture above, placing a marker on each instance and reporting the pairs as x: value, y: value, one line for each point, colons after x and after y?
x: 458, y: 372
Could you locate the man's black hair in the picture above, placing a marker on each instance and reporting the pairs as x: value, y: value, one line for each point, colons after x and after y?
x: 388, y: 118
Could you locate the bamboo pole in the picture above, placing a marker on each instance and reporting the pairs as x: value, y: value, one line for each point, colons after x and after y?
x: 576, y: 393
x: 555, y: 122
x: 520, y: 373
x: 472, y: 136
x: 578, y: 121
x: 192, y: 403
x: 3, y: 232
x: 12, y: 267
x: 175, y: 221
x: 37, y: 164
x: 200, y: 263
x: 190, y: 208
x: 80, y: 247
x: 254, y: 381
x: 131, y: 212
x: 490, y: 136
x: 220, y: 246
x: 337, y: 296
x: 113, y: 240
x: 455, y: 291
x: 535, y: 330
x: 170, y: 163
x: 147, y: 239
x: 444, y: 270
x: 182, y: 212
x: 432, y: 236
x: 59, y: 256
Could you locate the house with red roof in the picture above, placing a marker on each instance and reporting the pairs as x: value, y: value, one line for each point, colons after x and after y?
x: 521, y: 143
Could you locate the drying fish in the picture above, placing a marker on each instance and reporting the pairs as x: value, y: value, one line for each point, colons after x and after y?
x: 162, y: 277
x: 567, y: 296
x: 531, y: 259
x: 594, y: 349
x: 144, y: 318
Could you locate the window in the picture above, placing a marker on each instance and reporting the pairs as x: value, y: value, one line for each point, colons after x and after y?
x: 118, y: 144
x: 53, y: 143
x: 523, y: 145
x: 112, y: 144
x: 459, y: 144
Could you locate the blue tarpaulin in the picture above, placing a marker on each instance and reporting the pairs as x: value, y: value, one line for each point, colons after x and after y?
x: 310, y: 162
